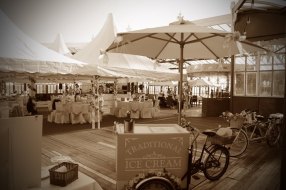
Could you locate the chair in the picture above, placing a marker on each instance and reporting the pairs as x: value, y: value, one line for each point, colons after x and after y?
x: 117, y: 106
x: 123, y: 109
x: 200, y: 100
x: 170, y: 101
x: 94, y: 116
x: 194, y: 100
x: 4, y: 112
x: 76, y: 114
x: 156, y: 109
x: 85, y: 113
x: 147, y: 110
x: 59, y: 113
x: 135, y: 109
x: 51, y: 116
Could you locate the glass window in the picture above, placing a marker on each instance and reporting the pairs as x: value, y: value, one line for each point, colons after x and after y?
x: 239, y: 63
x: 49, y: 88
x: 278, y: 83
x: 265, y: 62
x: 265, y: 83
x: 251, y: 83
x: 251, y: 63
x: 279, y: 62
x: 39, y: 89
x: 19, y: 88
x: 9, y: 88
x: 239, y: 83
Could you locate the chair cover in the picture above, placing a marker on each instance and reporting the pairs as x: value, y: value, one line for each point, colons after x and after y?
x: 147, y: 109
x: 135, y: 109
x: 85, y: 113
x: 76, y: 115
x: 123, y: 110
x: 60, y: 115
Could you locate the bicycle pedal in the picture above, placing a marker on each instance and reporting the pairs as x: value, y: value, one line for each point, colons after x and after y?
x: 196, y: 177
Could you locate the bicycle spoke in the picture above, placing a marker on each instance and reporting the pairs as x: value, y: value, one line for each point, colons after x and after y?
x: 240, y: 143
x: 216, y: 163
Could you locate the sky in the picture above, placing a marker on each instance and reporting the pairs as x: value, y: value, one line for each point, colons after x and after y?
x: 80, y: 20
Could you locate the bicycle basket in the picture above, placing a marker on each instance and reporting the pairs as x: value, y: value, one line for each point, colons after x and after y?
x: 221, y: 140
x: 277, y: 116
x: 236, y: 122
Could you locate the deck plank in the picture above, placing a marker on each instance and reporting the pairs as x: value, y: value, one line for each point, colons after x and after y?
x: 95, y: 151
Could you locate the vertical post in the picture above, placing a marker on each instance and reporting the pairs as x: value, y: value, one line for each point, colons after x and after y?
x: 32, y: 87
x: 93, y: 110
x: 233, y: 10
x: 98, y: 103
x: 231, y: 82
x: 283, y: 140
x: 181, y: 78
x: 115, y: 95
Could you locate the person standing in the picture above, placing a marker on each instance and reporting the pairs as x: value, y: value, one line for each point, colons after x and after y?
x: 31, y: 106
x: 212, y: 93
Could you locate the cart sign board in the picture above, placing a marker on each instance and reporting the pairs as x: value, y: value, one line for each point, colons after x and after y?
x: 151, y: 147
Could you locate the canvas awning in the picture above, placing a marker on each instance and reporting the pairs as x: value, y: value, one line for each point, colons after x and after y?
x: 200, y: 83
x: 20, y: 53
x: 122, y: 65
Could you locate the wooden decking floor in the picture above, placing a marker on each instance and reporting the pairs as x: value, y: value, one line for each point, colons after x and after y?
x: 95, y: 151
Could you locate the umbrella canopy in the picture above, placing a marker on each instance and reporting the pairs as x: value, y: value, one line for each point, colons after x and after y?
x: 183, y: 40
x: 198, y: 42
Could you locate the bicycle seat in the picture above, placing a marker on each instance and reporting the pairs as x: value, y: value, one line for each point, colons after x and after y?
x: 209, y: 133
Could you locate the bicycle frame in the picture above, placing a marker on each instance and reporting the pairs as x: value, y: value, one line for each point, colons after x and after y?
x: 196, y: 165
x: 257, y: 127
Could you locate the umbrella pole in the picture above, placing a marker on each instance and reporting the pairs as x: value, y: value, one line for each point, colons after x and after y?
x: 181, y: 82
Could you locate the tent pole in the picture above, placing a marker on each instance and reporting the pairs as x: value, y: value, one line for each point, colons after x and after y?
x: 93, y: 110
x: 98, y: 102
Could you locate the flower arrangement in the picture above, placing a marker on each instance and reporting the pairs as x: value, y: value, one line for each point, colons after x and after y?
x: 186, y: 124
x: 230, y: 116
x: 93, y: 104
x: 174, y: 180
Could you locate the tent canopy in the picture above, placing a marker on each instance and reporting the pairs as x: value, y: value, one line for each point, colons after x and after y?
x: 200, y: 82
x: 20, y: 53
x: 60, y: 46
x: 123, y: 65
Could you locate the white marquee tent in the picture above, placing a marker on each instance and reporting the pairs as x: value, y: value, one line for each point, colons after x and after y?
x: 200, y: 83
x: 20, y: 53
x: 123, y: 65
x: 60, y: 46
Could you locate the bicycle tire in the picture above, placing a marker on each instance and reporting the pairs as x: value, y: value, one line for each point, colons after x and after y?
x: 239, y: 144
x: 155, y: 183
x: 273, y: 135
x: 216, y: 163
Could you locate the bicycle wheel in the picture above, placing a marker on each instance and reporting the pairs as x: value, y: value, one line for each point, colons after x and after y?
x: 239, y: 144
x: 155, y: 183
x: 273, y: 135
x: 216, y: 163
x: 194, y: 145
